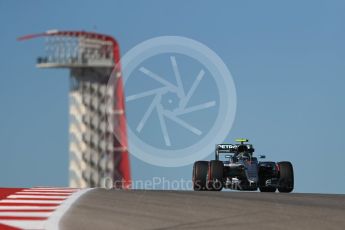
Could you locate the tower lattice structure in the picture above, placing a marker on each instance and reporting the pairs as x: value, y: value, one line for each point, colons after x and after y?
x: 96, y: 110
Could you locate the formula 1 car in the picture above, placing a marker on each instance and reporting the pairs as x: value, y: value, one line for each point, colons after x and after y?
x: 235, y: 168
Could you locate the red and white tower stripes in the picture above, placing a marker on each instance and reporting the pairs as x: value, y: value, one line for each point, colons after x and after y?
x: 96, y: 111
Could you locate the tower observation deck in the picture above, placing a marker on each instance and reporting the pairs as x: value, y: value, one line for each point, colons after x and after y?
x: 95, y: 110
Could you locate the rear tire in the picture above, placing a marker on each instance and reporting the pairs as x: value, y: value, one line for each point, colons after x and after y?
x: 286, y: 178
x: 215, y: 175
x: 200, y: 169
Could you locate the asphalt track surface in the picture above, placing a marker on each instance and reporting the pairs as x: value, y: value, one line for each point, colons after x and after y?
x: 136, y: 209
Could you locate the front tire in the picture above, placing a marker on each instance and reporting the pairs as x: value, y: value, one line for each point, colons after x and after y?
x: 286, y: 178
x: 215, y: 175
x: 266, y: 173
x: 200, y: 169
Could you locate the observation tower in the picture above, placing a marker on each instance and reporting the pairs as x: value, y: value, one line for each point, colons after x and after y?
x: 95, y: 110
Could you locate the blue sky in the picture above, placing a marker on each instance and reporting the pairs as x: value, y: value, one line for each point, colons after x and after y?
x: 286, y: 58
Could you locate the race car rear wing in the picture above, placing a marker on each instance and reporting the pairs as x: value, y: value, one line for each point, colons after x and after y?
x: 226, y: 148
x: 231, y: 148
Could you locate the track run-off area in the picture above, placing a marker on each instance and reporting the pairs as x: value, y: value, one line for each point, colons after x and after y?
x: 70, y: 208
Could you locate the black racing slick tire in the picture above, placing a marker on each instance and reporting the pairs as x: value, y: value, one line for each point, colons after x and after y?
x: 215, y: 175
x: 266, y: 173
x: 200, y: 169
x: 286, y: 177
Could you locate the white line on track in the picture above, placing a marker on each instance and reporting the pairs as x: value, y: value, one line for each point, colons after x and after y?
x: 49, y: 190
x: 24, y: 224
x: 32, y: 201
x: 25, y: 214
x: 54, y: 220
x: 66, y: 189
x: 45, y: 193
x: 27, y: 208
x: 37, y: 196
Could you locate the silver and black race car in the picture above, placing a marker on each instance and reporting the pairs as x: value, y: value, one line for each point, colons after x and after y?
x: 236, y: 168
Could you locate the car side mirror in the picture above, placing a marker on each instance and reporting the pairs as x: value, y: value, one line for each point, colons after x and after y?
x: 262, y: 156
